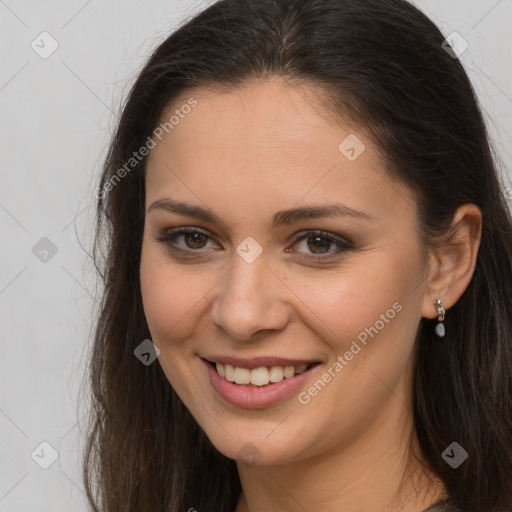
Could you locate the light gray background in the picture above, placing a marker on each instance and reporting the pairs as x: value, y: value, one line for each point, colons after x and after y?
x: 55, y: 120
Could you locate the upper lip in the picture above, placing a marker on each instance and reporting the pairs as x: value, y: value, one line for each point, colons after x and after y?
x: 257, y: 362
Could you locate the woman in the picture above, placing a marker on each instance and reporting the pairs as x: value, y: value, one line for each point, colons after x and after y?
x: 301, y: 217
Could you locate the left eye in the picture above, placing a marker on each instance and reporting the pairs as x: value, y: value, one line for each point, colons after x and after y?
x: 318, y: 243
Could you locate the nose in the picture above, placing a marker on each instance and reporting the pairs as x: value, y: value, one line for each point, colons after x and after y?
x: 250, y: 300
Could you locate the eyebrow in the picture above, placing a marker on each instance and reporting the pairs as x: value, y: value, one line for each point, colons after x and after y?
x: 281, y: 218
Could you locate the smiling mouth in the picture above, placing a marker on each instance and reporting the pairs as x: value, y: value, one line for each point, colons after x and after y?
x: 258, y: 377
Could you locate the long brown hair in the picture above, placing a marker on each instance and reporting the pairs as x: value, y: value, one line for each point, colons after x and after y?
x: 382, y: 62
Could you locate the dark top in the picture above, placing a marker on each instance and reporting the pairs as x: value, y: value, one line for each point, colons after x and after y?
x: 441, y: 506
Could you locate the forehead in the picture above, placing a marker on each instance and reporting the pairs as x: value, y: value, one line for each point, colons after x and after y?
x: 265, y: 140
x: 261, y: 114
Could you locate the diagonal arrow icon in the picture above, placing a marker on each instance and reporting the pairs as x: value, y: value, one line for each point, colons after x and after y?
x: 249, y: 249
x: 351, y: 147
x: 44, y: 455
x: 146, y: 352
x: 44, y: 45
x: 454, y: 455
x: 44, y: 250
x: 451, y: 455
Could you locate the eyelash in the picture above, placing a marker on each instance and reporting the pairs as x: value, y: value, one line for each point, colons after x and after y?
x: 342, y: 244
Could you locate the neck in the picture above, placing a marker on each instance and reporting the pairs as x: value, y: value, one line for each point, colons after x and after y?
x: 373, y: 472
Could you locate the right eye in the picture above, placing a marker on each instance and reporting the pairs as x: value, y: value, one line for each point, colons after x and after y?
x: 193, y: 240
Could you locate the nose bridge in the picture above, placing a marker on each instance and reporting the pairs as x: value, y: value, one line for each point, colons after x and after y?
x: 247, y: 301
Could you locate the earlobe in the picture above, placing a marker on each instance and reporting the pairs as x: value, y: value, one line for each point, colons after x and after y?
x: 453, y: 261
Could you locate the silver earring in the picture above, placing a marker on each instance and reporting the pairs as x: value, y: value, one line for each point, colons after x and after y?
x: 440, y: 330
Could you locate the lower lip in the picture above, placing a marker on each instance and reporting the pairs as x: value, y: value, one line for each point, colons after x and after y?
x: 255, y: 397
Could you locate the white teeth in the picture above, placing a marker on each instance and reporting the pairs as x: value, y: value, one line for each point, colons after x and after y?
x: 220, y: 369
x: 276, y: 374
x: 242, y: 375
x: 259, y: 376
x: 289, y: 372
x: 230, y: 373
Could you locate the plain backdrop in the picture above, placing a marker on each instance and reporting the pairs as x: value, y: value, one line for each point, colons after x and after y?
x: 56, y: 116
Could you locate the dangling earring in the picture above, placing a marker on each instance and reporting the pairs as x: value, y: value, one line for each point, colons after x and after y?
x: 440, y: 330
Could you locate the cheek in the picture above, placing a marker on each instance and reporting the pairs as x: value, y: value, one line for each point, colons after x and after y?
x: 173, y: 298
x: 369, y: 315
x: 377, y: 297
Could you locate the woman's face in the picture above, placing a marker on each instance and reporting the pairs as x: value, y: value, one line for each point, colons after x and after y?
x: 296, y: 248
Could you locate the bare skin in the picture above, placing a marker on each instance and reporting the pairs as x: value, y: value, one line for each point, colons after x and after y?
x: 246, y: 154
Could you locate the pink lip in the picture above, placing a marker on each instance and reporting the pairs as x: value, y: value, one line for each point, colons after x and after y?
x: 258, y: 362
x: 254, y: 397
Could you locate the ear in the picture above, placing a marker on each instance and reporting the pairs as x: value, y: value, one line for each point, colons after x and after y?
x: 452, y: 263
